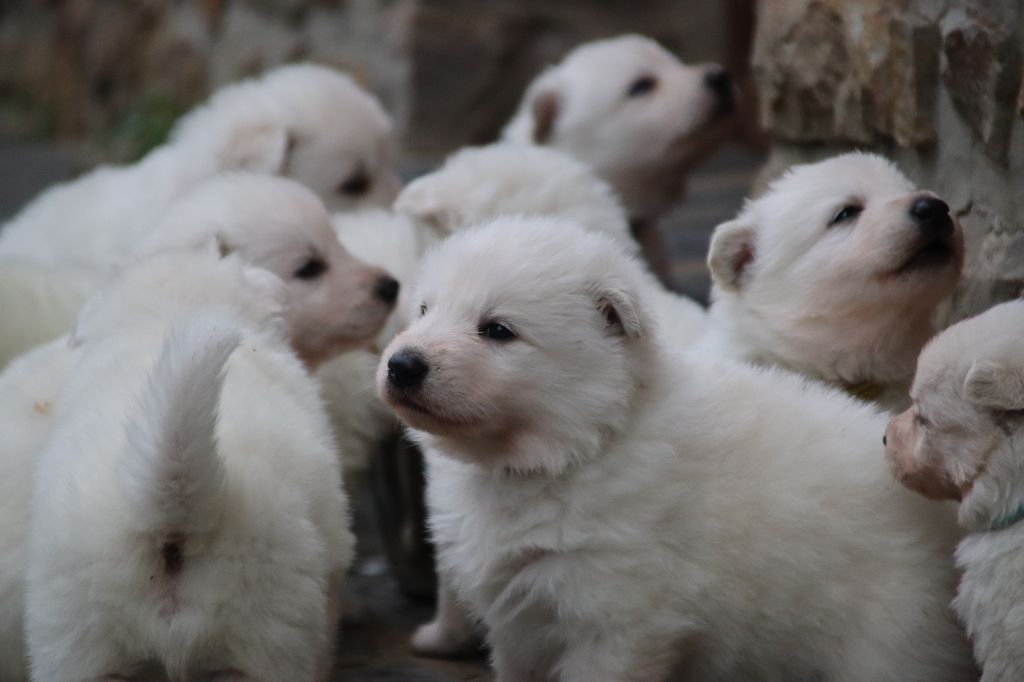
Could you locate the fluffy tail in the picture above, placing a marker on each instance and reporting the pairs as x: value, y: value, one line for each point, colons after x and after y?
x: 173, y: 475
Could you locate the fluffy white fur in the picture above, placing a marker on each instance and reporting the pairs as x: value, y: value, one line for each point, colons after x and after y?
x: 611, y: 510
x: 474, y: 185
x: 29, y: 387
x: 850, y: 302
x: 272, y: 223
x: 635, y: 114
x: 643, y: 144
x: 188, y: 515
x: 305, y: 122
x: 962, y: 439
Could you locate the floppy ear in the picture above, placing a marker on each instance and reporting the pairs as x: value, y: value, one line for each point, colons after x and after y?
x: 258, y: 147
x: 732, y: 250
x: 426, y: 206
x: 994, y: 385
x: 621, y: 309
x: 544, y: 109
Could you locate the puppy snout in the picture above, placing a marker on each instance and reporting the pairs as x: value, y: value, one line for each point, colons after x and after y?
x: 932, y: 215
x: 407, y: 369
x: 386, y: 288
x: 719, y: 82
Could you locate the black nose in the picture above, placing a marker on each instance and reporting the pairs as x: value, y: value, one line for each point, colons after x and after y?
x: 931, y: 214
x: 720, y: 82
x: 884, y: 441
x: 387, y: 289
x: 407, y: 369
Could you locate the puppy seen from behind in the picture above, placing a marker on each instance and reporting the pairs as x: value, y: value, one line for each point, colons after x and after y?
x: 188, y: 520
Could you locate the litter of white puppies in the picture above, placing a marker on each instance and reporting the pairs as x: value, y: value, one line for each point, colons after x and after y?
x: 617, y: 491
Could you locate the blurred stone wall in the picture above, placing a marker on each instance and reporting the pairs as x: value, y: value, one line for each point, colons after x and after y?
x: 935, y: 84
x: 451, y: 71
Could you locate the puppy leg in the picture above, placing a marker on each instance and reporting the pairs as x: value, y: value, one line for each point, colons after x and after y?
x: 452, y: 633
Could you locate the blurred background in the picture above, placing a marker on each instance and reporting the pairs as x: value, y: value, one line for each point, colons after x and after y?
x: 937, y: 85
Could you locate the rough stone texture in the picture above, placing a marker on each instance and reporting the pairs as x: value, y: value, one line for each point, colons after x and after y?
x: 935, y: 84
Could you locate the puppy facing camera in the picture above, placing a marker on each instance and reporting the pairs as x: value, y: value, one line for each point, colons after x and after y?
x: 836, y: 272
x: 604, y: 507
x: 963, y: 440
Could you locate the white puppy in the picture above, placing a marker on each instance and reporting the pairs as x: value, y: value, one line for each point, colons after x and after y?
x: 188, y: 518
x: 478, y: 185
x: 281, y: 225
x: 635, y: 114
x: 613, y: 511
x: 270, y: 222
x: 306, y: 122
x: 474, y: 185
x: 836, y: 273
x: 962, y: 439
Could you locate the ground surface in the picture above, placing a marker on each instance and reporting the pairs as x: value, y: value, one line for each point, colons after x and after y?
x: 374, y: 643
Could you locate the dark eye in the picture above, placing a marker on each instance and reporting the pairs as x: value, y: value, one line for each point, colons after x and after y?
x: 423, y: 309
x: 496, y: 331
x: 847, y: 212
x: 311, y: 269
x: 357, y: 185
x: 641, y: 86
x: 920, y: 421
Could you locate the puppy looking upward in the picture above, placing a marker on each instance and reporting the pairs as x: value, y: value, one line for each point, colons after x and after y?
x: 963, y: 439
x: 611, y: 510
x: 835, y: 273
x: 188, y: 518
x: 635, y: 114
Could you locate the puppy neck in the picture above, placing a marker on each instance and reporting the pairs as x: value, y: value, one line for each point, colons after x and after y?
x: 867, y: 364
x: 994, y: 499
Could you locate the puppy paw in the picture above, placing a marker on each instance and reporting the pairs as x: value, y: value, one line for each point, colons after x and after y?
x: 434, y: 640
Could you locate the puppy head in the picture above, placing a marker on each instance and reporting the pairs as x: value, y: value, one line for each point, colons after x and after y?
x: 530, y: 342
x: 476, y: 185
x: 154, y: 286
x: 633, y: 112
x: 306, y: 122
x: 957, y: 441
x: 338, y: 302
x: 844, y: 254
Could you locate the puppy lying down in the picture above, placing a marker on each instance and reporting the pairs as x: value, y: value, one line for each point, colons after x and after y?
x: 962, y: 439
x: 609, y: 509
x: 309, y: 123
x: 334, y: 303
x: 188, y: 516
x: 836, y: 272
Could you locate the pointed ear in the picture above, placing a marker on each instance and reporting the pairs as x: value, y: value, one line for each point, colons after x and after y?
x: 993, y: 385
x: 544, y: 109
x: 621, y: 309
x: 427, y: 206
x: 732, y: 250
x: 258, y: 147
